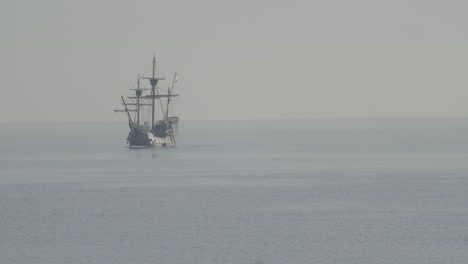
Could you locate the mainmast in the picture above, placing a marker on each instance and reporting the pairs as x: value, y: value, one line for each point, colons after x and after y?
x: 138, y: 94
x: 153, y: 82
x: 154, y: 93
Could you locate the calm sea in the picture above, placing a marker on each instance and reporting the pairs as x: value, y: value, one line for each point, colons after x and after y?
x: 303, y: 191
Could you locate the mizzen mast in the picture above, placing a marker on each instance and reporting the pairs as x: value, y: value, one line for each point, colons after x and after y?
x: 169, y: 93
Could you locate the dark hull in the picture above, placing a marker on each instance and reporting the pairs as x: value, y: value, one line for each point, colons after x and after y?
x: 162, y: 134
x: 138, y: 137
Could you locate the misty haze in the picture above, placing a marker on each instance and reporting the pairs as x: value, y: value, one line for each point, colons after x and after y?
x: 234, y: 131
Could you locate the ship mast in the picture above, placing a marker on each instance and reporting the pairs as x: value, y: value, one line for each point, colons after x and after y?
x: 169, y: 91
x: 154, y: 93
x: 138, y: 94
x: 138, y: 104
x: 153, y: 82
x: 126, y: 110
x: 168, y: 102
x: 162, y: 131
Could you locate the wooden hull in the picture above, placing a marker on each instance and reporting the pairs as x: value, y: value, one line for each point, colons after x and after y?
x: 163, y: 134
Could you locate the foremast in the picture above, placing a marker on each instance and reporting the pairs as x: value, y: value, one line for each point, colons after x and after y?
x: 138, y: 93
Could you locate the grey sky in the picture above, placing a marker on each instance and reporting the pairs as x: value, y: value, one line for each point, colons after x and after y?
x: 71, y: 60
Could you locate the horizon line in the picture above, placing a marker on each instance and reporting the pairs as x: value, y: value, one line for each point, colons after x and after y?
x: 245, y: 119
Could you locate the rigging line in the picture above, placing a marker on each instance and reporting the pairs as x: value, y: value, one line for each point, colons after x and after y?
x: 162, y: 90
x: 136, y: 82
x: 133, y: 86
x: 118, y: 105
x: 149, y: 67
x: 160, y: 73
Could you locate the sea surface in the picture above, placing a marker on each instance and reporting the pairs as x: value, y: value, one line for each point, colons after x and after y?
x: 284, y: 191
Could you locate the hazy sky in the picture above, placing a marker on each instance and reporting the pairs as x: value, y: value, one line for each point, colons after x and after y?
x: 71, y: 60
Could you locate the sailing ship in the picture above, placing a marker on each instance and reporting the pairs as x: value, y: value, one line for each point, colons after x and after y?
x: 149, y: 126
